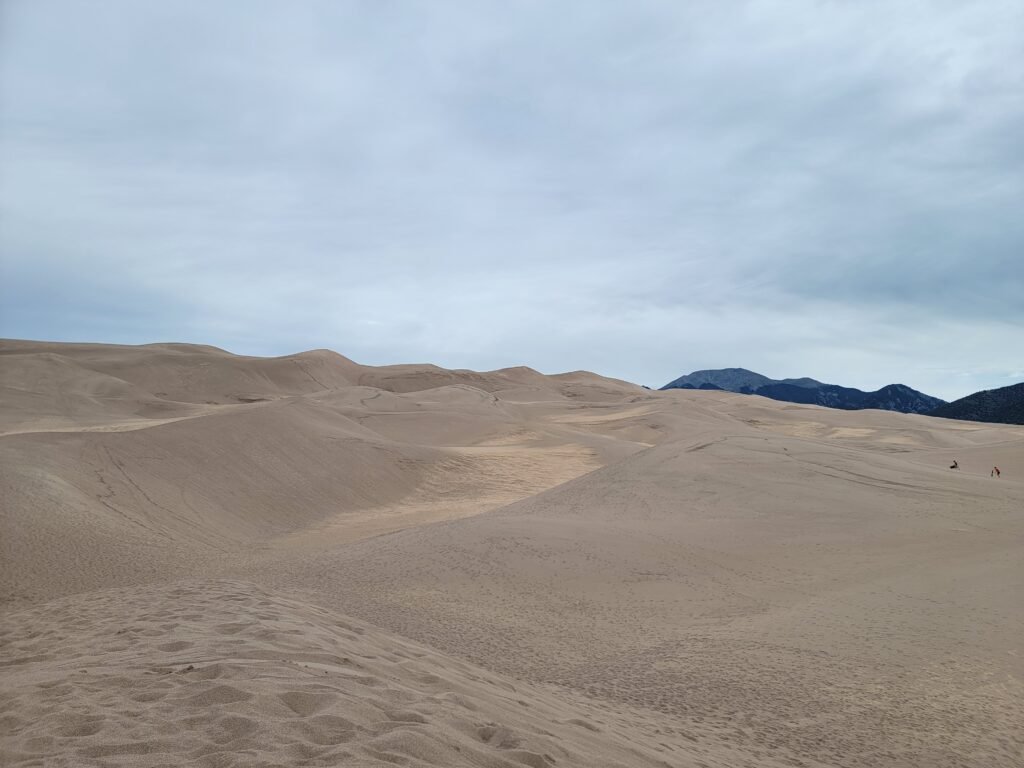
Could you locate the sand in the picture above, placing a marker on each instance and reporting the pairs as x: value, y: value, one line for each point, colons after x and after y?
x: 227, y: 560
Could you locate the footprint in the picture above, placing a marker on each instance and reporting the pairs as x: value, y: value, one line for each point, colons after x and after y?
x: 498, y: 736
x: 177, y: 645
x: 231, y: 629
x: 306, y: 704
x: 406, y: 716
x: 368, y: 680
x: 583, y: 724
x: 81, y: 726
x: 210, y: 672
x: 148, y: 696
x: 533, y: 759
x: 115, y: 750
x: 327, y: 730
x: 222, y: 694
x: 232, y: 727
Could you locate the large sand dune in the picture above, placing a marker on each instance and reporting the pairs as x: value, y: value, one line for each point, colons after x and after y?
x: 305, y: 561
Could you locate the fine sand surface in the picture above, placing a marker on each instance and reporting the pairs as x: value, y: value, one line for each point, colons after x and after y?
x: 223, y: 560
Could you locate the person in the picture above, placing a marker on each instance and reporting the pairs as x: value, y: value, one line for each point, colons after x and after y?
x: 954, y: 465
x: 995, y: 471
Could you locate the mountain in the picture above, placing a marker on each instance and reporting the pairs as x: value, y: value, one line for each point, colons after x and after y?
x: 892, y: 397
x: 733, y: 380
x: 1004, y: 406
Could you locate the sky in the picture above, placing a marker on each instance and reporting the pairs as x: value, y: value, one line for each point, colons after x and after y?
x: 821, y: 188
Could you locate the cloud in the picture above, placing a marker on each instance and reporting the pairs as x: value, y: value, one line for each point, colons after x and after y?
x: 813, y: 188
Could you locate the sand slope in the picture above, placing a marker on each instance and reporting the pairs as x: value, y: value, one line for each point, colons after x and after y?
x: 221, y: 673
x: 704, y: 578
x: 785, y: 594
x: 134, y: 463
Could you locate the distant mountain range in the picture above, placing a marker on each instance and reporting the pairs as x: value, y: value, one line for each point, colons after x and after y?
x: 892, y: 397
x: 1004, y: 406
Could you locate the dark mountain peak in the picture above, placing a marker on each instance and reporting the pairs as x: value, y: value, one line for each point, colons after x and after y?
x: 892, y: 397
x: 1004, y: 405
x: 900, y: 397
x: 804, y: 382
x: 897, y: 388
x: 731, y: 379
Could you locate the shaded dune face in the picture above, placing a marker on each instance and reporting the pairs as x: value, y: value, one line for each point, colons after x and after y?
x: 231, y: 560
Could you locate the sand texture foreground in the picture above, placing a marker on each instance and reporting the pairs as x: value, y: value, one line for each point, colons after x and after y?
x: 224, y: 560
x: 257, y: 679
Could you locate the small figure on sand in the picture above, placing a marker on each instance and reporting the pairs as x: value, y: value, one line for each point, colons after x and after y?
x: 995, y: 472
x: 954, y: 465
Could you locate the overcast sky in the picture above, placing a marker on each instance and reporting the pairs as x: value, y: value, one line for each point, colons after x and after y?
x: 831, y: 189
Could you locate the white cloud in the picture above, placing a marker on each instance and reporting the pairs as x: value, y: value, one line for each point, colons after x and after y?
x: 824, y: 189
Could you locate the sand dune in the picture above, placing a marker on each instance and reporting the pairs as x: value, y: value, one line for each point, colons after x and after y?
x: 807, y: 590
x: 663, y: 578
x: 198, y: 374
x: 219, y: 673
